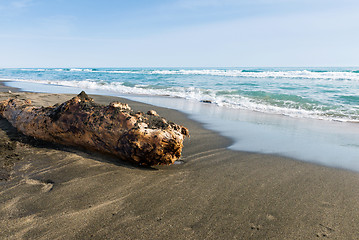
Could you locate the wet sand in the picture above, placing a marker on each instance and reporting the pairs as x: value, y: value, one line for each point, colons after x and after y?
x: 49, y: 191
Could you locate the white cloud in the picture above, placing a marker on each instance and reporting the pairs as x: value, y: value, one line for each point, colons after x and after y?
x: 194, y: 4
x: 14, y: 8
x: 20, y: 3
x: 218, y: 3
x: 201, y: 3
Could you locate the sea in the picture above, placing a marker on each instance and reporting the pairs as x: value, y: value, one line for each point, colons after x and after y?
x: 309, y: 114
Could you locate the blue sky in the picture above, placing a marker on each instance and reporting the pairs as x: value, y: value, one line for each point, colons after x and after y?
x: 179, y: 33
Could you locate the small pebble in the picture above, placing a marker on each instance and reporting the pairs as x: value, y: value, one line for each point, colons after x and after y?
x: 152, y: 112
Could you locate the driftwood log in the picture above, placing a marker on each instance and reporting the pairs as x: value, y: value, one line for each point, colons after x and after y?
x: 145, y: 139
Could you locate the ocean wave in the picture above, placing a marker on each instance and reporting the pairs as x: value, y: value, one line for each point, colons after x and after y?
x: 298, y: 74
x: 88, y: 70
x: 247, y: 73
x: 80, y: 70
x: 301, y: 74
x: 33, y: 69
x: 99, y: 71
x: 287, y: 105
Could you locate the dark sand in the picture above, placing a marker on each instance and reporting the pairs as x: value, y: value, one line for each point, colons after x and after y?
x: 49, y: 191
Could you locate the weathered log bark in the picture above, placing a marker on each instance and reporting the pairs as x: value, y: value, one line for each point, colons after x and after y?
x: 145, y: 139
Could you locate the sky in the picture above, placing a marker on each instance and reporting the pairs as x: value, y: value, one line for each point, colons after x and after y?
x: 179, y: 33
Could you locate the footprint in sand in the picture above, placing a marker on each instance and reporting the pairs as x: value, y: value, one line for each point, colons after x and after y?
x: 325, y: 231
x: 255, y: 227
x: 47, y: 185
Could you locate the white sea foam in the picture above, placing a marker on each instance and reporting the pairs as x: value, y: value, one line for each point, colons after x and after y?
x: 265, y: 74
x: 80, y: 70
x: 297, y: 74
x: 236, y: 101
x: 96, y: 71
x: 115, y: 71
x: 304, y: 74
x: 33, y: 70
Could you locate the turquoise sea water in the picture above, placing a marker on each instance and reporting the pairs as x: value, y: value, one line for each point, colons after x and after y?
x: 319, y: 93
x: 309, y: 114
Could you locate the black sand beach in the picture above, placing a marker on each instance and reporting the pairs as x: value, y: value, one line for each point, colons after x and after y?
x: 49, y: 191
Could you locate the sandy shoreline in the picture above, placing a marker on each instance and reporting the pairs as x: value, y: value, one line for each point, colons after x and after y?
x: 56, y: 192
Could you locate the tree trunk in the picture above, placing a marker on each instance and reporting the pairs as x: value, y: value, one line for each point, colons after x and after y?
x: 145, y: 139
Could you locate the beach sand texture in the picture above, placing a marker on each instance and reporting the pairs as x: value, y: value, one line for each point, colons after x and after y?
x: 49, y: 191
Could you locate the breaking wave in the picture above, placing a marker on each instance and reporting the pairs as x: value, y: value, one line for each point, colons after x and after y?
x: 261, y: 101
